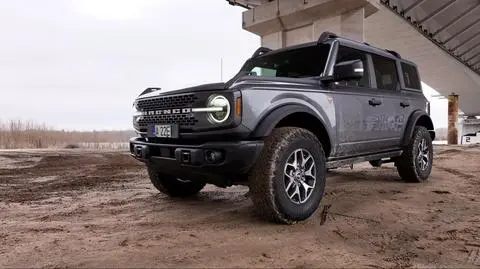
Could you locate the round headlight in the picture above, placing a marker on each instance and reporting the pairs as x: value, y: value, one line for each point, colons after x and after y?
x: 219, y: 101
x: 136, y: 113
x: 135, y: 107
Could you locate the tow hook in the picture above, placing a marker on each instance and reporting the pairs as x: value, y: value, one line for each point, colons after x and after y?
x: 140, y: 151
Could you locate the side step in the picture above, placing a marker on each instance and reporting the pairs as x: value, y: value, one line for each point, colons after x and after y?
x: 364, y: 158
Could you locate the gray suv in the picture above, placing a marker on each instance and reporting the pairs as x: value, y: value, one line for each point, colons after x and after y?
x: 285, y: 118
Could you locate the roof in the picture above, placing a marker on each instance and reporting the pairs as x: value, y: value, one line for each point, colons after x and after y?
x: 368, y: 48
x: 342, y: 41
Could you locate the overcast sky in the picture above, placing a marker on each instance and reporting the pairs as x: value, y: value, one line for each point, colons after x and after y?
x: 79, y: 64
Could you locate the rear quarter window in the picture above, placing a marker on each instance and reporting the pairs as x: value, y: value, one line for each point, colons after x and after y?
x: 410, y: 76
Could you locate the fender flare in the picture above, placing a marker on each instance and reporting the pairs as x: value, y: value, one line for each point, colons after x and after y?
x: 412, y: 122
x: 268, y: 123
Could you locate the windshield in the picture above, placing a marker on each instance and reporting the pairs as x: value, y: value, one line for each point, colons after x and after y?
x: 297, y: 63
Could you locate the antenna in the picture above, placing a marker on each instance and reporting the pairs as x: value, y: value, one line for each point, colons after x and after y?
x: 221, y: 69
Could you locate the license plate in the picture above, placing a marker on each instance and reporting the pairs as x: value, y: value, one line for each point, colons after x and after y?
x: 165, y: 131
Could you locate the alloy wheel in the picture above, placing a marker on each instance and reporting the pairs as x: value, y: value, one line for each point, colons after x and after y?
x: 423, y: 157
x: 300, y: 176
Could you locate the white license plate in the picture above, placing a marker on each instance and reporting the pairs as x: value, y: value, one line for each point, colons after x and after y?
x: 163, y: 131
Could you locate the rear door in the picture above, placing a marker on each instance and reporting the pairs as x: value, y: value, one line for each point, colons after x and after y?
x: 385, y: 120
x: 411, y: 90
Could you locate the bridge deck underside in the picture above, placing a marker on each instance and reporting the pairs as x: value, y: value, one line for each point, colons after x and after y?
x: 443, y: 65
x: 441, y: 36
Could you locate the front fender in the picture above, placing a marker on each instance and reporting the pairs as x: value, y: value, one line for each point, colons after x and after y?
x: 268, y: 123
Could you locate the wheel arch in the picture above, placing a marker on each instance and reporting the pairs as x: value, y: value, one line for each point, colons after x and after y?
x: 418, y: 118
x: 295, y: 116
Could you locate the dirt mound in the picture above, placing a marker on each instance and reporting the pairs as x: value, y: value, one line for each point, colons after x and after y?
x: 63, y: 161
x: 449, y: 151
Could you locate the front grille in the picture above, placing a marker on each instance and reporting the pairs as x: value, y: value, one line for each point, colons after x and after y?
x: 184, y: 120
x: 167, y: 102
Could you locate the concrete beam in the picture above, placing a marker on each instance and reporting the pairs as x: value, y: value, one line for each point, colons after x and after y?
x: 307, y: 19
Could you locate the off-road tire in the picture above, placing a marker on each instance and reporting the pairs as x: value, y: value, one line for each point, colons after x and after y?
x: 376, y: 163
x: 408, y: 166
x: 266, y: 179
x: 172, y: 186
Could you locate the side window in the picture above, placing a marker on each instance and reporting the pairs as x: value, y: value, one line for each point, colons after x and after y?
x: 410, y: 76
x: 349, y: 54
x: 263, y: 71
x: 385, y: 73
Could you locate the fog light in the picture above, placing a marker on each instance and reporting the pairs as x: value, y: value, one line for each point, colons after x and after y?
x: 213, y: 156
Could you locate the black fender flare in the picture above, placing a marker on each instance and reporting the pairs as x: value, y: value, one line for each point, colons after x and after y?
x: 412, y: 122
x: 268, y: 123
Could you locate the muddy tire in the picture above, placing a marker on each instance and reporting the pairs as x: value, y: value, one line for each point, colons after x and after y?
x: 415, y: 164
x: 288, y: 180
x: 173, y: 186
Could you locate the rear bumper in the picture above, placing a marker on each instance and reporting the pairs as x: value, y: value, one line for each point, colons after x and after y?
x: 206, y: 160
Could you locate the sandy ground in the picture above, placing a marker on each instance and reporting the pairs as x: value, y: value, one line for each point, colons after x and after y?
x: 98, y: 209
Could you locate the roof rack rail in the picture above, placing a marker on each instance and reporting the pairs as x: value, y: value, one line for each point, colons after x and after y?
x: 260, y: 51
x: 326, y: 35
x: 394, y: 53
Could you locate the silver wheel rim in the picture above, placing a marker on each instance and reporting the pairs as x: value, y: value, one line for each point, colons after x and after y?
x: 423, y: 157
x: 300, y: 176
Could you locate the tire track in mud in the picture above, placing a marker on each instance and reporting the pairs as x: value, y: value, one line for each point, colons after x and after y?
x: 455, y: 172
x: 473, y: 256
x: 65, y: 175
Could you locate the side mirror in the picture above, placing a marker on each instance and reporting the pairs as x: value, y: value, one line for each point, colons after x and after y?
x: 348, y: 70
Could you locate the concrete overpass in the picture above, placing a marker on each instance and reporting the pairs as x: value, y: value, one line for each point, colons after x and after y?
x: 441, y: 36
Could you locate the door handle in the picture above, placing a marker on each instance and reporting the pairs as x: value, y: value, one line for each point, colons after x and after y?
x: 404, y: 104
x: 374, y: 102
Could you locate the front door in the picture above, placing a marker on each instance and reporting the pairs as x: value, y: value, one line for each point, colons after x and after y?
x: 350, y: 98
x: 368, y: 112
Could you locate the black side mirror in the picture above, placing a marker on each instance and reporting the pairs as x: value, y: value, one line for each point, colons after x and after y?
x: 348, y: 70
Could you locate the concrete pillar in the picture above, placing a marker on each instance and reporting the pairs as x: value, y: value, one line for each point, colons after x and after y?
x: 452, y: 119
x: 282, y: 23
x: 352, y: 24
x: 273, y: 40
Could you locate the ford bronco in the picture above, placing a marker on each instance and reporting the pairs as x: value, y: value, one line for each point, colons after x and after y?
x: 285, y: 118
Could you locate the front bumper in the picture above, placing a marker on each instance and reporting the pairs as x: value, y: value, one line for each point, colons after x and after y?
x: 230, y: 158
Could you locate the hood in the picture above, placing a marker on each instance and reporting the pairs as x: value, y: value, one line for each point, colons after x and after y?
x: 200, y: 88
x: 279, y: 82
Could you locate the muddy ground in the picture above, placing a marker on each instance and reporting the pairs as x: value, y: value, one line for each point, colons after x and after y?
x: 98, y: 209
